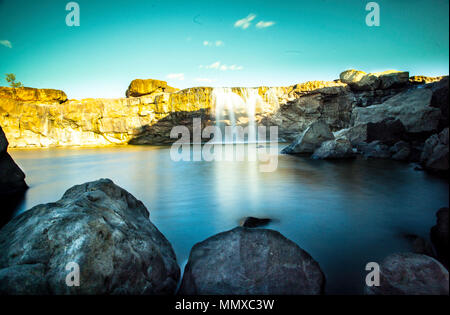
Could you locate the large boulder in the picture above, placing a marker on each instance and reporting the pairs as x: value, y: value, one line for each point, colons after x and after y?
x: 439, y: 236
x: 139, y: 87
x: 310, y: 139
x: 334, y: 149
x: 356, y: 134
x: 440, y: 100
x: 411, y: 274
x: 361, y: 81
x: 99, y: 226
x: 411, y: 107
x: 251, y: 261
x: 12, y: 178
x: 436, y: 151
x: 400, y: 151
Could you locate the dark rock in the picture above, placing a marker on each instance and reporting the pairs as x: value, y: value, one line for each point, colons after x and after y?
x: 252, y: 222
x: 440, y: 100
x: 310, y: 139
x: 334, y: 149
x: 436, y: 152
x: 400, y: 151
x: 388, y: 131
x: 12, y: 178
x: 375, y: 150
x: 99, y: 226
x: 420, y: 245
x: 439, y: 236
x: 411, y: 274
x: 251, y: 261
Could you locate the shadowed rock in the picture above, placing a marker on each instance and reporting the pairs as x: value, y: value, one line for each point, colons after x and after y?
x: 99, y: 226
x: 250, y: 261
x: 310, y: 139
x: 252, y: 222
x: 436, y: 152
x: 334, y: 149
x: 439, y: 236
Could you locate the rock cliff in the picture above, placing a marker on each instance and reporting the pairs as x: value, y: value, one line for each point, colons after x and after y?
x: 43, y: 118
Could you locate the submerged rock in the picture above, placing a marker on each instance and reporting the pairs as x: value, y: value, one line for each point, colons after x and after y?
x: 252, y: 222
x: 99, y: 226
x: 251, y: 261
x: 375, y: 150
x: 310, y: 139
x: 411, y: 274
x: 439, y: 236
x: 334, y: 149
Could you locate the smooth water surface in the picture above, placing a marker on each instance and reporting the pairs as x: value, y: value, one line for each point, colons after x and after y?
x: 344, y: 213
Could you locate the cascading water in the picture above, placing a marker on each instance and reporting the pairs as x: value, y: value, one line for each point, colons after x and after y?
x: 236, y: 107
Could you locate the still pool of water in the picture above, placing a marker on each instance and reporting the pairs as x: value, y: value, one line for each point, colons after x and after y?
x: 344, y: 213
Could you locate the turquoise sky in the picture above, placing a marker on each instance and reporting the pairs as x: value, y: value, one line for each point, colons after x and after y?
x: 119, y: 40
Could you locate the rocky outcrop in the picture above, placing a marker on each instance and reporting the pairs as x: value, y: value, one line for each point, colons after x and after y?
x: 250, y: 261
x: 412, y: 108
x: 435, y: 152
x: 310, y: 139
x: 252, y: 222
x: 439, y: 236
x: 26, y: 94
x: 360, y: 81
x: 411, y: 274
x: 12, y: 178
x: 139, y: 87
x: 99, y: 226
x: 334, y: 149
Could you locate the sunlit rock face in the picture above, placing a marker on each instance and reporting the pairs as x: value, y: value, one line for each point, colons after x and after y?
x: 45, y: 118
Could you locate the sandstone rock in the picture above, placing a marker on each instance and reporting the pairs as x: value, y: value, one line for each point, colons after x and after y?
x: 400, y: 151
x: 310, y: 139
x: 439, y: 236
x: 139, y: 87
x: 27, y: 94
x: 334, y: 149
x: 412, y: 108
x: 411, y: 274
x: 252, y: 222
x: 388, y: 131
x: 102, y: 228
x: 421, y: 79
x: 361, y: 81
x: 12, y: 178
x: 436, y: 151
x: 250, y: 261
x: 375, y: 150
x: 392, y: 78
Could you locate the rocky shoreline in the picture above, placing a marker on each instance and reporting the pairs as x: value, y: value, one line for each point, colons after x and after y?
x: 108, y: 233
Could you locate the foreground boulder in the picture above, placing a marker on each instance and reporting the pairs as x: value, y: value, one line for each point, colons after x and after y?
x: 141, y: 87
x: 250, y: 261
x: 310, y: 139
x: 12, y: 178
x: 435, y: 152
x: 411, y: 274
x: 439, y: 236
x: 334, y: 149
x: 99, y: 226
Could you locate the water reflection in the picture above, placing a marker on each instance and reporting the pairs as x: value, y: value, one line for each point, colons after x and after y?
x: 344, y: 213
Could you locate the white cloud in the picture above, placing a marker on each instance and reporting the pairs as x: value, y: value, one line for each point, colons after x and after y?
x: 217, y: 43
x: 176, y: 76
x: 222, y: 67
x: 6, y: 43
x: 205, y: 80
x: 245, y: 22
x: 263, y: 24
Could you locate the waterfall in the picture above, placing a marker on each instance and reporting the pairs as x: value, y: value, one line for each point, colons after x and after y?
x: 236, y: 107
